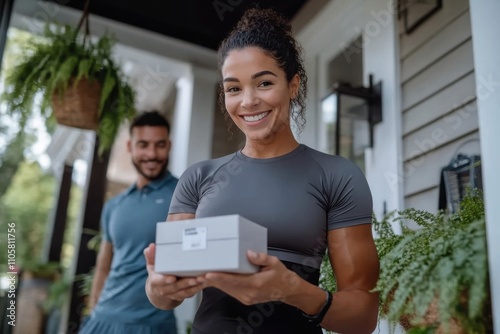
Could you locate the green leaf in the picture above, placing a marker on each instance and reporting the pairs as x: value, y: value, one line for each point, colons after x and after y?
x: 109, y: 84
x: 83, y: 69
x: 66, y: 71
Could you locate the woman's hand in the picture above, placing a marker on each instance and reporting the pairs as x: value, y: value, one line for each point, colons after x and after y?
x: 167, y: 291
x: 274, y: 282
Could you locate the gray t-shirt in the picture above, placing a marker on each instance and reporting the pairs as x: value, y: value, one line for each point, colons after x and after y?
x: 298, y: 197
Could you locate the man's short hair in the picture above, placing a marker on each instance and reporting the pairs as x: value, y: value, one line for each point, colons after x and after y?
x: 149, y: 118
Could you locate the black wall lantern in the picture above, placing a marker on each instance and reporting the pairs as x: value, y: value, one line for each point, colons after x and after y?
x: 350, y: 114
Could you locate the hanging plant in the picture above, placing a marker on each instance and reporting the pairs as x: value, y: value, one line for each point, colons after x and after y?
x: 79, y: 82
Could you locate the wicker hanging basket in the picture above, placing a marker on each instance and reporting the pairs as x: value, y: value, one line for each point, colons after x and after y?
x: 79, y: 105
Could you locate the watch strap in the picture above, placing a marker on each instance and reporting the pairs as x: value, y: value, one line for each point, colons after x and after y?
x: 316, y: 319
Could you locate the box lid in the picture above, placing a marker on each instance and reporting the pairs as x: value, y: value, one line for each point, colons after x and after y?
x: 208, y: 228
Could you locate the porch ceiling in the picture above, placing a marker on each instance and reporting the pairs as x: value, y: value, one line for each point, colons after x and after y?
x: 202, y: 22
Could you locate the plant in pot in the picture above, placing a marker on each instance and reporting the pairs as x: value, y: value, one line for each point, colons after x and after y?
x: 433, y: 279
x: 79, y: 82
x: 436, y: 276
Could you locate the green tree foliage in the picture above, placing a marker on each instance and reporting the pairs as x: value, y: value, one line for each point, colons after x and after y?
x: 10, y: 159
x: 27, y: 203
x: 13, y: 151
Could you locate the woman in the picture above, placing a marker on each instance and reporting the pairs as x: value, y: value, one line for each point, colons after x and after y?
x: 309, y: 201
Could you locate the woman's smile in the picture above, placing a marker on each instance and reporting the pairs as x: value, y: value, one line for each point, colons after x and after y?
x: 255, y: 118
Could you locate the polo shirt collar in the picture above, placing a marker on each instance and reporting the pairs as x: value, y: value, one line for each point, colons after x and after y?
x: 156, y: 184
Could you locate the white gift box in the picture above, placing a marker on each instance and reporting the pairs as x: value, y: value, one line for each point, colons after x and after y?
x: 195, y: 246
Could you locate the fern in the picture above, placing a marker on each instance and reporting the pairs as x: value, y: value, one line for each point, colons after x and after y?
x: 63, y: 57
x: 440, y: 265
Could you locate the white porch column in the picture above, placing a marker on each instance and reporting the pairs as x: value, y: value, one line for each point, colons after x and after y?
x: 191, y: 135
x: 203, y: 110
x: 192, y: 125
x: 179, y: 132
x: 485, y: 27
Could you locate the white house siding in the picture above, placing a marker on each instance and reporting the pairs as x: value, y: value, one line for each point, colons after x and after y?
x: 438, y: 104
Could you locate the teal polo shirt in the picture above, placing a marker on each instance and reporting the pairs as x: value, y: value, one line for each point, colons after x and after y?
x: 129, y: 223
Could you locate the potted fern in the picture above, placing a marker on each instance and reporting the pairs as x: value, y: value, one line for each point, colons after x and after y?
x: 80, y: 83
x: 435, y: 278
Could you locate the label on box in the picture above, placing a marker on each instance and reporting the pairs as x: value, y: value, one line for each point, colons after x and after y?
x: 194, y: 238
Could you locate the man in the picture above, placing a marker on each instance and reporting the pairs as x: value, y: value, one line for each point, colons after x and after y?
x: 118, y: 300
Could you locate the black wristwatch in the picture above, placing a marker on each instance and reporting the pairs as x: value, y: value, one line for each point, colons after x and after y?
x: 318, y: 318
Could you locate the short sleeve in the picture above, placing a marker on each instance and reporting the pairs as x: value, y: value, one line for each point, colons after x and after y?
x: 105, y: 217
x: 351, y: 199
x: 186, y: 195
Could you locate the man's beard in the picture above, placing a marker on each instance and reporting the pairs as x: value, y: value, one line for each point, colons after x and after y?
x: 160, y: 174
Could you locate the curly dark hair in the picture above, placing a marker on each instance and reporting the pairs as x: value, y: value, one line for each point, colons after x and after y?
x: 271, y: 32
